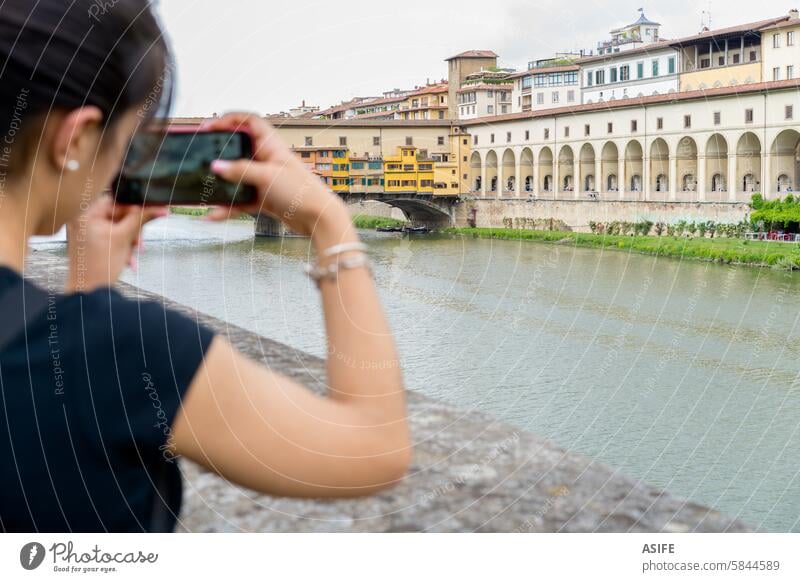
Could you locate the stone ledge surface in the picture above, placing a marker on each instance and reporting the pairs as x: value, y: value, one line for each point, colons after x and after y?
x: 471, y: 473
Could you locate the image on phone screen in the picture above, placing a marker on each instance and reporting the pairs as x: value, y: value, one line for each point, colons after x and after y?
x: 174, y: 168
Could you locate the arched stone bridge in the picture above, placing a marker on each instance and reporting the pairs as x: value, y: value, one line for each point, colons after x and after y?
x: 419, y: 208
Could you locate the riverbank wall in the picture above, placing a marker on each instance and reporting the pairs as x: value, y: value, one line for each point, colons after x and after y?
x: 576, y: 215
x: 470, y: 471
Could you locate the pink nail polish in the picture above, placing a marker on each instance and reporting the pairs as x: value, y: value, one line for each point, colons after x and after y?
x: 219, y: 166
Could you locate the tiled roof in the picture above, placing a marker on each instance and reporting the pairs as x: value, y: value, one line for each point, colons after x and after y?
x: 474, y: 54
x: 641, y: 101
x: 755, y: 26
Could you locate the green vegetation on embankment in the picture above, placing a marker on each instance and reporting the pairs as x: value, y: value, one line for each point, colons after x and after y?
x: 365, y: 221
x: 778, y: 255
x: 200, y: 211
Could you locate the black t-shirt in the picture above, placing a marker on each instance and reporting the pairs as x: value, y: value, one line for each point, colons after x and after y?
x: 87, y: 402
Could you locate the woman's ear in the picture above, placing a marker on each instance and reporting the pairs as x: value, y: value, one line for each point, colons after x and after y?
x: 75, y: 138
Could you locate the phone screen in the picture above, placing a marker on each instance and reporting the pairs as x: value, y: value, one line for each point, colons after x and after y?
x: 175, y: 169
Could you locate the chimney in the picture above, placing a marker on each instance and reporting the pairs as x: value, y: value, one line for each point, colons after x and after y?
x: 794, y: 14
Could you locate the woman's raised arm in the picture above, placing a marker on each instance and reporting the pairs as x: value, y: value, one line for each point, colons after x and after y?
x: 264, y: 431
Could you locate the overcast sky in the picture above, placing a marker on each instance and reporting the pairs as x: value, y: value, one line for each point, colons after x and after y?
x: 268, y: 56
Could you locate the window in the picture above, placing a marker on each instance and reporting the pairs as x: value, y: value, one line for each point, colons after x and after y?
x: 566, y: 131
x: 634, y: 126
x: 491, y: 138
x: 409, y: 140
x: 625, y: 73
x: 589, y: 79
x: 737, y: 58
x: 613, y: 75
x: 639, y: 70
x: 660, y: 123
x: 527, y: 135
x: 440, y: 140
x: 490, y: 93
x: 610, y: 128
x: 309, y: 141
x: 748, y: 116
x: 555, y: 96
x: 305, y: 154
x: 546, y: 133
x: 508, y: 137
x: 705, y: 63
x: 753, y: 56
x: 776, y: 41
x: 717, y: 117
x: 721, y: 61
x: 570, y: 96
x: 776, y: 74
x: 587, y: 130
x: 671, y: 65
x: 790, y: 38
x: 342, y: 141
x: 790, y: 71
x: 475, y: 139
x: 376, y: 141
x: 504, y: 109
x: 540, y: 99
x: 687, y: 121
x: 655, y: 68
x: 600, y: 77
x: 789, y: 112
x: 490, y: 109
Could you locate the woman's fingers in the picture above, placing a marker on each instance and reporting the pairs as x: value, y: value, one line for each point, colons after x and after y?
x: 266, y: 141
x: 222, y: 213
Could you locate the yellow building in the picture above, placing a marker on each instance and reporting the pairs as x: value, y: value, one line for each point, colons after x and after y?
x: 401, y: 171
x: 340, y: 172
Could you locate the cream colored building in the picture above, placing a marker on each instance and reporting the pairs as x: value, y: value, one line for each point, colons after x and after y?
x: 718, y: 145
x: 780, y: 49
x: 484, y: 100
x: 726, y: 57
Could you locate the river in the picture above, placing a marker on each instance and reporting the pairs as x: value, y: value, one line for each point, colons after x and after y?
x: 682, y: 374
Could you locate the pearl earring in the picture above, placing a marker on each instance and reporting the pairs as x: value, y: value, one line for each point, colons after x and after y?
x: 73, y: 165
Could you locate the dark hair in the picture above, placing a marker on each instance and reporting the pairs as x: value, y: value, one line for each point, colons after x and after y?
x: 65, y: 54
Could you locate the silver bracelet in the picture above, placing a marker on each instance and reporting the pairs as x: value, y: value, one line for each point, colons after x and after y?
x: 331, y: 272
x: 343, y: 248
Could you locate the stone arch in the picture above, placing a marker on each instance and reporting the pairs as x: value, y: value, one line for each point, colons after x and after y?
x: 785, y: 152
x: 546, y: 170
x: 609, y: 167
x: 634, y: 167
x: 588, y: 179
x: 475, y: 173
x: 748, y: 165
x: 686, y: 154
x: 492, y: 182
x: 509, y: 174
x: 566, y: 169
x: 526, y: 171
x: 716, y: 168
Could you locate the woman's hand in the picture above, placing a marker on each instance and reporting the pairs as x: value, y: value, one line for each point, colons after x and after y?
x: 101, y: 243
x: 286, y: 189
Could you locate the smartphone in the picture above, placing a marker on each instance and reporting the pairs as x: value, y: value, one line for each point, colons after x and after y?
x: 172, y: 166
